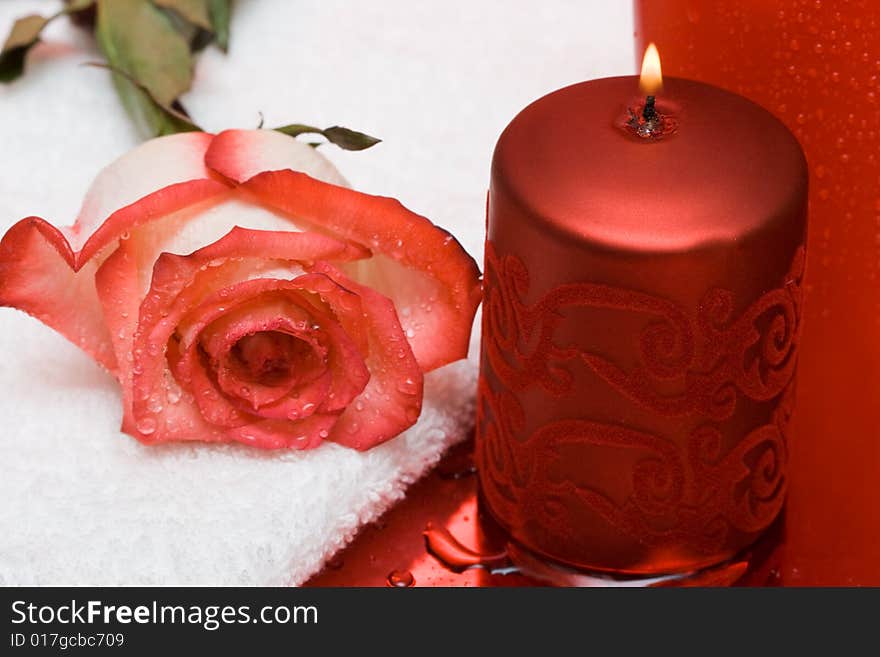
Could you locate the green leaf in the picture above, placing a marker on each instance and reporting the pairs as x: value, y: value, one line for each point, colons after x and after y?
x: 350, y: 140
x: 220, y: 11
x: 153, y: 117
x: 193, y: 11
x: 24, y: 34
x: 297, y: 129
x: 139, y: 39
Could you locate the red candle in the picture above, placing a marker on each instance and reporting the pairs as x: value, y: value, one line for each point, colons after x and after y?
x: 816, y: 65
x: 641, y: 323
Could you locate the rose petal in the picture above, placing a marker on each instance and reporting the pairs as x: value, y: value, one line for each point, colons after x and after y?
x: 283, y: 434
x: 242, y: 154
x: 422, y: 268
x: 180, y: 283
x: 216, y: 408
x: 392, y: 400
x: 152, y: 166
x: 346, y: 372
x: 41, y: 274
x: 261, y: 316
x: 36, y: 276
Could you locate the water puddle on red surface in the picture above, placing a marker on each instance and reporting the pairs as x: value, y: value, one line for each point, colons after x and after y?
x: 400, y: 579
x: 450, y: 552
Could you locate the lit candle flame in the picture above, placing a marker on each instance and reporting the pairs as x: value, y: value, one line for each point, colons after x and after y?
x: 651, y: 80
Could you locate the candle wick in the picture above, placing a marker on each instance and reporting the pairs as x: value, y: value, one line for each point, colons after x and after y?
x: 650, y: 111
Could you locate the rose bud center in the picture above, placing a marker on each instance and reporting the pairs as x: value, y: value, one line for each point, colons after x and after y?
x: 268, y: 357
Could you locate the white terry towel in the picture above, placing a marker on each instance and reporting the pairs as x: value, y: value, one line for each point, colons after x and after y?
x: 85, y: 504
x: 82, y: 503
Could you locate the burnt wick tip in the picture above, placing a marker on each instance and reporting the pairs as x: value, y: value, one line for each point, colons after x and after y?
x: 650, y: 111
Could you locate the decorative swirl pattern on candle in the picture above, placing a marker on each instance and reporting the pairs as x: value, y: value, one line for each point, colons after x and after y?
x: 738, y: 355
x: 698, y: 485
x: 696, y: 494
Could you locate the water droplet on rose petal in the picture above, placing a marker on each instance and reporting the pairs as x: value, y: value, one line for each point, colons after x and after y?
x: 408, y: 386
x: 359, y: 406
x: 146, y: 425
x: 308, y: 407
x: 410, y: 333
x: 323, y: 433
